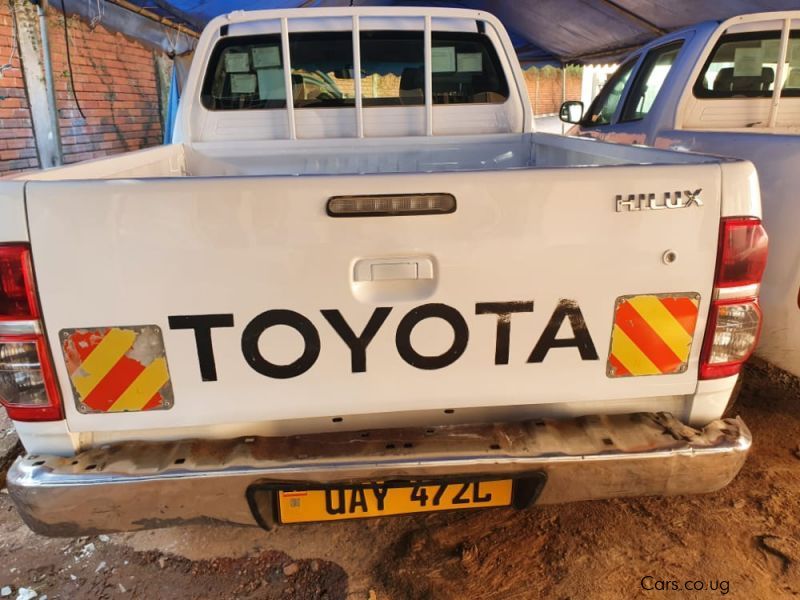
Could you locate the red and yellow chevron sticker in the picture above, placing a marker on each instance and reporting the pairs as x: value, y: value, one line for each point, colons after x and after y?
x: 652, y: 334
x: 117, y: 369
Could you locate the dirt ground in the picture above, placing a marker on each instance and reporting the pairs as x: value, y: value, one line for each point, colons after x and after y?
x: 741, y: 542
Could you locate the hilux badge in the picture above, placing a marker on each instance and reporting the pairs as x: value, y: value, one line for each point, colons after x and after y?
x: 633, y: 202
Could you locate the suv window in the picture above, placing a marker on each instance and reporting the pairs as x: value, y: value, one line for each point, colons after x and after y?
x: 745, y: 64
x: 649, y: 80
x: 605, y: 105
x: 247, y: 72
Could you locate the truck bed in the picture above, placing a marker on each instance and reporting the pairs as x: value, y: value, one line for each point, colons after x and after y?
x: 364, y: 156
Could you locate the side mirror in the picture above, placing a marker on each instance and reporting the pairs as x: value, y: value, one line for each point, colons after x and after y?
x: 571, y: 111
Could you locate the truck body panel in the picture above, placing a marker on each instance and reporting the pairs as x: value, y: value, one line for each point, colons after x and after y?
x: 740, y: 127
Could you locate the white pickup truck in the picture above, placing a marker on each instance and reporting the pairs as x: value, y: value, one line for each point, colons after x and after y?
x: 712, y: 88
x: 385, y: 295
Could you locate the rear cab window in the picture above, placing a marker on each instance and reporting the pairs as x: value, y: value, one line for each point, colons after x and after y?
x: 745, y: 65
x: 247, y: 72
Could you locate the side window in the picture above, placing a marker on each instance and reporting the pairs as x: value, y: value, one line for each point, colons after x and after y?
x: 741, y: 65
x: 649, y: 80
x: 605, y: 105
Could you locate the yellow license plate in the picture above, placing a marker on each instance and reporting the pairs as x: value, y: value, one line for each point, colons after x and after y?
x: 385, y: 499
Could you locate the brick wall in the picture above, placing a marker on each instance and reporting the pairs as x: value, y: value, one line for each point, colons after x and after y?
x: 17, y: 147
x: 545, y: 88
x: 115, y: 80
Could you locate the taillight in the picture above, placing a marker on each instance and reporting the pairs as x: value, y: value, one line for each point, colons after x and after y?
x: 742, y: 253
x: 731, y: 337
x: 17, y: 295
x: 734, y: 321
x: 28, y: 387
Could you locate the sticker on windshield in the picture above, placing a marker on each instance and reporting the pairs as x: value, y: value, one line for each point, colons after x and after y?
x: 747, y: 62
x: 469, y: 62
x: 237, y: 62
x: 443, y: 59
x: 652, y: 334
x: 266, y: 56
x: 243, y: 83
x: 117, y: 369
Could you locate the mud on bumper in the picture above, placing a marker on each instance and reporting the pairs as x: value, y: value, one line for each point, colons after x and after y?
x: 148, y: 485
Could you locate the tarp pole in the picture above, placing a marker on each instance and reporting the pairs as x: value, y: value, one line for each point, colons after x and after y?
x: 58, y: 155
x: 563, y: 94
x: 40, y: 100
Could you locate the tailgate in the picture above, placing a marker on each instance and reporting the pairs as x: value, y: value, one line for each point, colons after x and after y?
x: 271, y: 309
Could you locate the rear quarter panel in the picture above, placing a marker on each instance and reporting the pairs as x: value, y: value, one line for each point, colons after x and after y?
x: 776, y: 160
x: 13, y: 222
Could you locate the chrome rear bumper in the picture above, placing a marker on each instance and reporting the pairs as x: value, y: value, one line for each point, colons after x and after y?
x: 148, y: 485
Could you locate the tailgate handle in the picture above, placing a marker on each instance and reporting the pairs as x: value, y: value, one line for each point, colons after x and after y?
x: 393, y: 269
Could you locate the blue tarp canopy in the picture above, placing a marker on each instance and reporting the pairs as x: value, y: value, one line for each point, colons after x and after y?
x: 542, y: 30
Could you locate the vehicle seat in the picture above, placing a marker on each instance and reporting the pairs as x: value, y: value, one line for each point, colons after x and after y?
x: 726, y: 81
x: 412, y: 86
x: 457, y: 87
x: 299, y: 89
x: 793, y: 81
